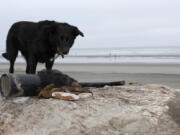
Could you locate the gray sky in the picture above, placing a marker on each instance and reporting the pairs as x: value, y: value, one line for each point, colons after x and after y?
x: 105, y: 23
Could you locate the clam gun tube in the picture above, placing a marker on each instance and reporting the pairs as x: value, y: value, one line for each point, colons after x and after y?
x: 15, y: 85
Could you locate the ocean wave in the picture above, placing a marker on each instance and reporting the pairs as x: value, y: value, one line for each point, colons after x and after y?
x: 115, y: 60
x: 117, y: 55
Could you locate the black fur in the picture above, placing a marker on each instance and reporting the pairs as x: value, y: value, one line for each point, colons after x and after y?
x: 59, y: 79
x: 39, y: 42
x: 56, y: 77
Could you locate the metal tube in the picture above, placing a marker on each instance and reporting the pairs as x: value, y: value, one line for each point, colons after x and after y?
x: 14, y: 85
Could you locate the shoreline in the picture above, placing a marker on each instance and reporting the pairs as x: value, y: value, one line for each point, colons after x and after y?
x: 134, y: 74
x: 104, y: 68
x: 124, y: 59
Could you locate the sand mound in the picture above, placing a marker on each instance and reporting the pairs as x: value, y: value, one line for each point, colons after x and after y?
x: 126, y: 110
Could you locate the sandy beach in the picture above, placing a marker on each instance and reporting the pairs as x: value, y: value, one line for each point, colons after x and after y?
x: 147, y: 104
x: 136, y: 74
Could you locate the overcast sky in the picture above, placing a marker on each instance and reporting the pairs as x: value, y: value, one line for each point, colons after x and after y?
x: 105, y: 23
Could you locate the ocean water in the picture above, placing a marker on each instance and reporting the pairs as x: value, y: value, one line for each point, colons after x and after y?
x: 119, y: 55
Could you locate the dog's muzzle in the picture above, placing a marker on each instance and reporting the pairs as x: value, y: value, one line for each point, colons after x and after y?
x: 60, y: 53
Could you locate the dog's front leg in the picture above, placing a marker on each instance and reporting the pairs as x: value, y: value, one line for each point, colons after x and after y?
x: 31, y: 65
x: 49, y: 64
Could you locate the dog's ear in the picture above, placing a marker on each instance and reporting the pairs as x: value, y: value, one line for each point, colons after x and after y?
x: 77, y: 32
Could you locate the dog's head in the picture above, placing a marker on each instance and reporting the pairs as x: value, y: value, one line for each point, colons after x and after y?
x: 61, y: 36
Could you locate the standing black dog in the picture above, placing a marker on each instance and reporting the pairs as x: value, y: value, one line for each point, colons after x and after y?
x: 39, y: 42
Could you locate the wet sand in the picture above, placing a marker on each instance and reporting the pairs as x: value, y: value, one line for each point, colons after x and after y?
x: 136, y: 74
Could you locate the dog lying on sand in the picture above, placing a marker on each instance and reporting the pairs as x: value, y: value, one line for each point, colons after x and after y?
x: 39, y: 42
x: 49, y: 80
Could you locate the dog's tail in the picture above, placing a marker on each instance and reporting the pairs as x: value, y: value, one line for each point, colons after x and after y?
x: 5, y: 55
x: 101, y: 84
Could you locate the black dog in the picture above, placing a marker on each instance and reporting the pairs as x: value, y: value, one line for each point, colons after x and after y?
x: 39, y: 42
x: 59, y: 79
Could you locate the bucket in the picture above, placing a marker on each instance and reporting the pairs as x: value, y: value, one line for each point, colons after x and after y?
x: 14, y: 85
